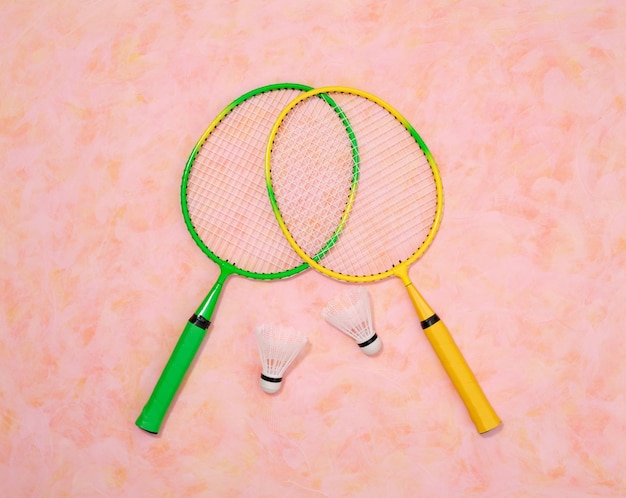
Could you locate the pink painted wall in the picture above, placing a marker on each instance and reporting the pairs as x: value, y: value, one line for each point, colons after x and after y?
x: 522, y: 105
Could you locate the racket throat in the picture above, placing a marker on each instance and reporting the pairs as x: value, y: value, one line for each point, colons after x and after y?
x: 425, y: 313
x: 202, y: 317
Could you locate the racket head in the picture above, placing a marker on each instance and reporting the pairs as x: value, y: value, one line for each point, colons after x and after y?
x: 223, y: 194
x: 395, y: 209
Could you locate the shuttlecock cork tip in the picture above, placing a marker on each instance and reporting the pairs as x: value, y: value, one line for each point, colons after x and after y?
x: 270, y: 385
x: 372, y: 345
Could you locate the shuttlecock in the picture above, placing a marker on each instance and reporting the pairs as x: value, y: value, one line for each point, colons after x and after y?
x: 278, y: 347
x: 350, y: 312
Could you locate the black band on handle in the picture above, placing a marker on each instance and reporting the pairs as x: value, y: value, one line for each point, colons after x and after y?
x: 271, y: 379
x: 369, y: 341
x: 429, y: 322
x: 199, y: 321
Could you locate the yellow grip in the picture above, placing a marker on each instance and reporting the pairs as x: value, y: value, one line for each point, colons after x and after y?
x: 477, y: 404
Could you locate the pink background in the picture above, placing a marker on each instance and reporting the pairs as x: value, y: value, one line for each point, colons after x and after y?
x: 522, y: 105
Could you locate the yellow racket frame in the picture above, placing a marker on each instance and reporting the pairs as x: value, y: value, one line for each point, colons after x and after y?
x: 480, y: 410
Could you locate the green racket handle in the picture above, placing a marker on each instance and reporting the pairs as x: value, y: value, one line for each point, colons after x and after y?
x: 180, y: 361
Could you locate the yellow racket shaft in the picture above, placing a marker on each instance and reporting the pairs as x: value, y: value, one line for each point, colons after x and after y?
x: 480, y: 410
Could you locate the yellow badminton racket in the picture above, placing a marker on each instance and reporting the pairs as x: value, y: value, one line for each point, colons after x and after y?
x: 390, y: 219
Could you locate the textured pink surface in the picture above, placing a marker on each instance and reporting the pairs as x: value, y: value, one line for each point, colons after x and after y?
x: 522, y: 105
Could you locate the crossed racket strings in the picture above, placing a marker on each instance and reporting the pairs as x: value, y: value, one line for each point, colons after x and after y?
x: 320, y: 137
x: 394, y: 205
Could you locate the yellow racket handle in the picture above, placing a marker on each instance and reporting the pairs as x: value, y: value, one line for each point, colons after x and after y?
x: 477, y: 404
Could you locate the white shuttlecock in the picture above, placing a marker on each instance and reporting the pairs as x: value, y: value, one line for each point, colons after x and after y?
x: 278, y: 347
x: 350, y: 312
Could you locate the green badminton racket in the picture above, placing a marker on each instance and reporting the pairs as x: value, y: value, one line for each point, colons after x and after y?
x: 227, y: 212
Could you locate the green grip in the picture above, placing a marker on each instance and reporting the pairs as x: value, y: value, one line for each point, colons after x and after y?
x: 182, y: 357
x: 172, y: 377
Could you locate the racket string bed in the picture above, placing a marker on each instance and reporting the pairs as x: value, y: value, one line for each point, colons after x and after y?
x: 394, y: 227
x: 226, y: 195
